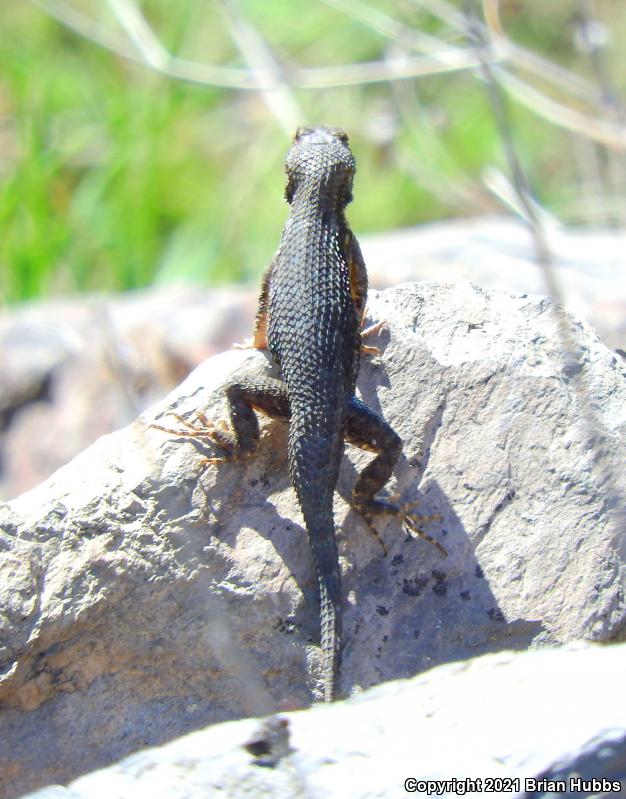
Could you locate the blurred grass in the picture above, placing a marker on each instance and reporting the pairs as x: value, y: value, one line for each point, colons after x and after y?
x: 113, y: 177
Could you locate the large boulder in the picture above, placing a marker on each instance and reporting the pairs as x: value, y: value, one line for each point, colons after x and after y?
x: 74, y: 369
x: 143, y: 596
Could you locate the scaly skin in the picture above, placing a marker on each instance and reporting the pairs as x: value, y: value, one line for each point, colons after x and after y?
x: 313, y: 333
x: 310, y: 312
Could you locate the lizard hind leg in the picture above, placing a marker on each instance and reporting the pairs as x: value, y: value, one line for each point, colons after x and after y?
x: 369, y: 431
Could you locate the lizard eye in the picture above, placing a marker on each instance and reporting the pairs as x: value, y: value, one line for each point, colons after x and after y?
x: 300, y: 132
x: 339, y: 133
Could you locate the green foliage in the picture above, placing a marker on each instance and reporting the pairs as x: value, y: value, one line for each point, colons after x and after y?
x: 113, y: 177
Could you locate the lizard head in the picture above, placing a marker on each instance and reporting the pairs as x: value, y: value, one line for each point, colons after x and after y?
x: 320, y: 159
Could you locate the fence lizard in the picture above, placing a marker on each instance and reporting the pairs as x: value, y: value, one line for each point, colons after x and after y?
x: 311, y: 308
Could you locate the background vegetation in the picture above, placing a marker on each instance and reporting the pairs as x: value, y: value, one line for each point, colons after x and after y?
x: 114, y: 175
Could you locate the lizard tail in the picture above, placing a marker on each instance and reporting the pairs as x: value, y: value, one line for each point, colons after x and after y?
x: 324, y: 547
x: 314, y: 463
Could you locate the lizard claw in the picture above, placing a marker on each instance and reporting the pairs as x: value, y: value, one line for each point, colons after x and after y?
x: 368, y: 349
x: 409, y: 506
x: 202, y: 430
x: 212, y: 461
x: 375, y: 328
x: 370, y: 526
x: 412, y: 524
x: 411, y: 521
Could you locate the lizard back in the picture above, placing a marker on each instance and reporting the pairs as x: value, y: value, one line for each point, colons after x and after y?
x: 313, y: 333
x: 313, y: 326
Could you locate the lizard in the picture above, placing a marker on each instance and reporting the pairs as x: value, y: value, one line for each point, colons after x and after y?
x: 311, y: 310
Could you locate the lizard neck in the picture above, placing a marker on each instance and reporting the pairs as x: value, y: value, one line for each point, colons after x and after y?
x: 321, y: 196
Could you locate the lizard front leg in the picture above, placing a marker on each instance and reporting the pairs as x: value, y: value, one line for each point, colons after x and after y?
x: 369, y: 431
x: 255, y: 392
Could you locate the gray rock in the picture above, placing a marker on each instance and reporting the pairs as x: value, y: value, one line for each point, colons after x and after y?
x: 141, y: 597
x: 494, y: 725
x: 72, y: 370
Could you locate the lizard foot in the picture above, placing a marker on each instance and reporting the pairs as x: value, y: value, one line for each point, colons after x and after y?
x: 412, y: 524
x: 200, y: 428
x: 368, y: 349
x: 204, y: 431
x: 411, y: 521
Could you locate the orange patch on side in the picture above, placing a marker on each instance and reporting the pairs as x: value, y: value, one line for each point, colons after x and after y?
x: 357, y: 283
x: 259, y: 337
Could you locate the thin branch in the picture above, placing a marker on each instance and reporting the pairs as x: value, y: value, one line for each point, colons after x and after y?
x: 600, y: 130
x: 607, y: 95
x: 606, y: 132
x: 612, y: 134
x: 527, y: 203
x: 614, y: 165
x: 389, y: 27
x: 561, y: 78
x: 141, y: 34
x: 171, y: 66
x: 270, y: 78
x: 193, y: 72
x: 84, y: 26
x: 450, y: 60
x: 456, y: 191
x: 502, y: 188
x: 432, y: 49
